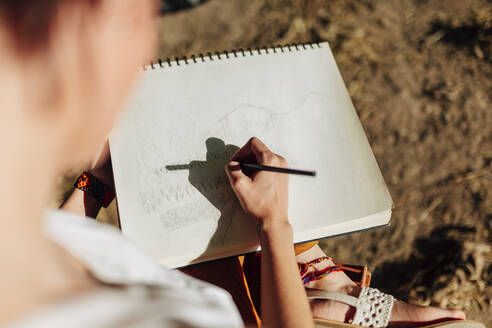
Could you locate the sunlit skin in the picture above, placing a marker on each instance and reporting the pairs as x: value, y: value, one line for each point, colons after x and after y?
x: 58, y: 106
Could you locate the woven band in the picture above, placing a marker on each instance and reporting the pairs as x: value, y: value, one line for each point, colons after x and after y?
x: 95, y: 188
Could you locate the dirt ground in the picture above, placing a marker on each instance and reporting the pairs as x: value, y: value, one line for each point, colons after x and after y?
x: 420, y: 76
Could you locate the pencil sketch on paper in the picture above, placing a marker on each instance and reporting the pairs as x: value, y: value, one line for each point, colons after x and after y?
x: 184, y: 193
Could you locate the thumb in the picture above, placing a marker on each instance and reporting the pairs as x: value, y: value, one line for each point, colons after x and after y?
x: 236, y: 176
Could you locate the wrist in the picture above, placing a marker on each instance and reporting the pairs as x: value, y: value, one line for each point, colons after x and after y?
x: 276, y: 217
x: 96, y: 188
x: 276, y: 236
x: 91, y: 205
x: 275, y: 226
x: 105, y: 177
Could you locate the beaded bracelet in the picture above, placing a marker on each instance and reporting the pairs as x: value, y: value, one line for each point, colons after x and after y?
x: 307, y: 276
x: 95, y: 188
x: 318, y: 275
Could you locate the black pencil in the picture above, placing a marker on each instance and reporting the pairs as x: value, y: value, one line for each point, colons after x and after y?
x: 276, y: 169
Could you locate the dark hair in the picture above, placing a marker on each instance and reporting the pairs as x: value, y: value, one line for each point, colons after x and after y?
x: 29, y: 22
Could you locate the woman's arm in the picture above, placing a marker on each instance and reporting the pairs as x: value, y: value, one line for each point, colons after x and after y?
x: 264, y: 196
x: 283, y: 299
x: 80, y: 203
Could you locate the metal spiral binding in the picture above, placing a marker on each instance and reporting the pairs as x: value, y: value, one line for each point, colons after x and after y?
x: 193, y: 59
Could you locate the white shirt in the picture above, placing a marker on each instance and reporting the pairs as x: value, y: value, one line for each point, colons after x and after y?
x: 149, y: 296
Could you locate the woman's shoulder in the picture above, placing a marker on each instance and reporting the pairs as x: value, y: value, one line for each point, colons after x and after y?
x: 108, y: 254
x: 129, y: 306
x: 115, y: 260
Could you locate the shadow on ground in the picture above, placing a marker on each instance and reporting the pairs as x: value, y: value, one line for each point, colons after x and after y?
x: 437, y: 255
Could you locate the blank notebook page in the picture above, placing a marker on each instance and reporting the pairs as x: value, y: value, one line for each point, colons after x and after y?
x: 185, y: 121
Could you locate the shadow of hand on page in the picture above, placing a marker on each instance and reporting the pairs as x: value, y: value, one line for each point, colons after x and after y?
x: 210, y: 179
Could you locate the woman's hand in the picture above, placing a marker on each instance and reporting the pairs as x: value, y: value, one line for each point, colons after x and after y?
x: 263, y: 195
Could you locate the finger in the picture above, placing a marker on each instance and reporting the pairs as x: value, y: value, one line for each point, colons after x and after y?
x: 281, y: 161
x: 263, y: 154
x: 243, y: 153
x: 236, y: 176
x: 260, y: 150
x: 254, y: 149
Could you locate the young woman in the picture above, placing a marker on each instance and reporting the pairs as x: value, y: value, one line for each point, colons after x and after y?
x: 67, y: 67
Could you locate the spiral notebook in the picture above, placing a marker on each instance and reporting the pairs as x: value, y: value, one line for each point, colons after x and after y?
x: 189, y: 115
